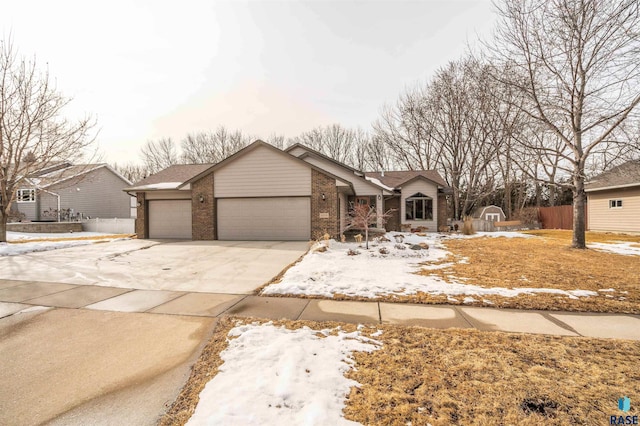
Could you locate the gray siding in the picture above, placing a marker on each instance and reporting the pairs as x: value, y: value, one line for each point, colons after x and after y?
x: 603, y: 218
x: 29, y: 209
x: 262, y: 173
x: 169, y: 194
x: 95, y: 194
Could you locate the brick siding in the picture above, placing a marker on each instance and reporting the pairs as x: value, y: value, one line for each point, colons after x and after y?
x: 141, y: 219
x: 203, y: 214
x: 323, y: 184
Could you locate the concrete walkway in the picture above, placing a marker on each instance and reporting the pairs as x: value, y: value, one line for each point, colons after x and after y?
x: 17, y: 296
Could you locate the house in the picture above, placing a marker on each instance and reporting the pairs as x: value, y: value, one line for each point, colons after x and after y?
x: 264, y: 193
x: 613, y: 199
x: 490, y: 214
x: 85, y: 190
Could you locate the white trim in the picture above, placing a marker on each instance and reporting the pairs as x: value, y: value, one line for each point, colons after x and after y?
x: 486, y: 207
x: 629, y: 185
x: 20, y: 190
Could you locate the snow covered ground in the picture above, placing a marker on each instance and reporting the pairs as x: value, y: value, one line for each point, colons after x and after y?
x: 371, y: 273
x: 19, y: 242
x: 275, y: 376
x: 625, y: 249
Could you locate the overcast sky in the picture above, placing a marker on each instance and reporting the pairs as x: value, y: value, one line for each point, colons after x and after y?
x: 150, y: 69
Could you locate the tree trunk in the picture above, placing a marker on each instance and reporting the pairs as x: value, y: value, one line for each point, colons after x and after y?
x: 3, y: 227
x: 366, y: 237
x: 579, y: 206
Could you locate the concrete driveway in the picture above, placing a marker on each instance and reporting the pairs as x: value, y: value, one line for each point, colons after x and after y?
x: 80, y: 367
x: 231, y: 267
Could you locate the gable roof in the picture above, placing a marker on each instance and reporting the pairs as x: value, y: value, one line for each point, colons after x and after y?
x: 170, y: 178
x: 396, y: 179
x: 309, y: 152
x: 321, y: 155
x: 623, y: 176
x: 257, y: 144
x: 57, y: 174
x: 480, y: 210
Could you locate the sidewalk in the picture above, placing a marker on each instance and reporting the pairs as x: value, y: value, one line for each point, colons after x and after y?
x: 16, y: 296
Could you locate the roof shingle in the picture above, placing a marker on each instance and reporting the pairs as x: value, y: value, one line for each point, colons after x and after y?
x: 627, y: 174
x: 395, y: 179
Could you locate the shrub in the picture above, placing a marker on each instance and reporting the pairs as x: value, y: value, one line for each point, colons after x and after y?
x: 527, y: 216
x: 352, y: 252
x: 467, y: 226
x: 383, y: 250
x: 400, y: 247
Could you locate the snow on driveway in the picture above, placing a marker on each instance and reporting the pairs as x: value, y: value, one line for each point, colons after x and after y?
x: 374, y: 273
x: 20, y: 242
x: 275, y: 376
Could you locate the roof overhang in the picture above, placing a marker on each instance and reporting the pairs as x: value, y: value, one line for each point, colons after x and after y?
x: 163, y: 186
x: 606, y: 188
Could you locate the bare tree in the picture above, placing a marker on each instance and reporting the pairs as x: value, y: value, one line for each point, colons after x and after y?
x: 158, y: 155
x: 363, y: 216
x: 34, y: 133
x: 132, y: 172
x: 342, y: 144
x: 577, y: 62
x: 212, y: 147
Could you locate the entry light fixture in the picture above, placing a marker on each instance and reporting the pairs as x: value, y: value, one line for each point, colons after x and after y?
x: 201, y: 198
x: 139, y: 203
x: 323, y: 197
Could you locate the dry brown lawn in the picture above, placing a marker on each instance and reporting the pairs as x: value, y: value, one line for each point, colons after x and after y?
x: 451, y: 377
x: 547, y: 262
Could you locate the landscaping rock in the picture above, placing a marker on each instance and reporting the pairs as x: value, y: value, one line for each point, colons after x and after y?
x: 415, y: 247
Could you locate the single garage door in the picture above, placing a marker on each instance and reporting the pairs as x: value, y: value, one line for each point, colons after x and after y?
x: 170, y: 219
x: 279, y: 218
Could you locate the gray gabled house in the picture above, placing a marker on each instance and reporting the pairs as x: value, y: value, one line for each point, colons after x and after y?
x: 78, y: 191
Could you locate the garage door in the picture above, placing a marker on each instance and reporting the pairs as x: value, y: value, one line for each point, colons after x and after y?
x: 280, y: 218
x: 170, y: 219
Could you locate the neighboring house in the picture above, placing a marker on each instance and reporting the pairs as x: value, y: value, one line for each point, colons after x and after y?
x: 264, y: 193
x: 490, y: 214
x: 88, y: 190
x: 613, y: 199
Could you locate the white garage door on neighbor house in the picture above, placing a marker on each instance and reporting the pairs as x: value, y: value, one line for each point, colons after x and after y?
x: 170, y: 219
x: 276, y: 218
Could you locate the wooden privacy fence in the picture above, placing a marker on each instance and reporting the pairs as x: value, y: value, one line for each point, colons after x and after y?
x: 558, y: 217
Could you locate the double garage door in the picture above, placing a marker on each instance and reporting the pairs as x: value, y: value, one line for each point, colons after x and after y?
x: 279, y: 218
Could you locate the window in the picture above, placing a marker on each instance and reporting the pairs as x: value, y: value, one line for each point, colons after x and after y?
x: 615, y: 204
x: 418, y: 207
x: 26, y: 195
x: 493, y: 217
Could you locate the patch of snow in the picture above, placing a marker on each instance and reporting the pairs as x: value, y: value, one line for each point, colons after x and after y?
x: 377, y: 182
x: 161, y: 185
x: 372, y: 275
x: 606, y: 289
x: 22, y: 236
x: 625, y: 249
x: 34, y: 309
x: 275, y: 376
x: 469, y: 300
x: 19, y: 242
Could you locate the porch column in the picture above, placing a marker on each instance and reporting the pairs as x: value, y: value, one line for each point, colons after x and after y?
x: 379, y: 209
